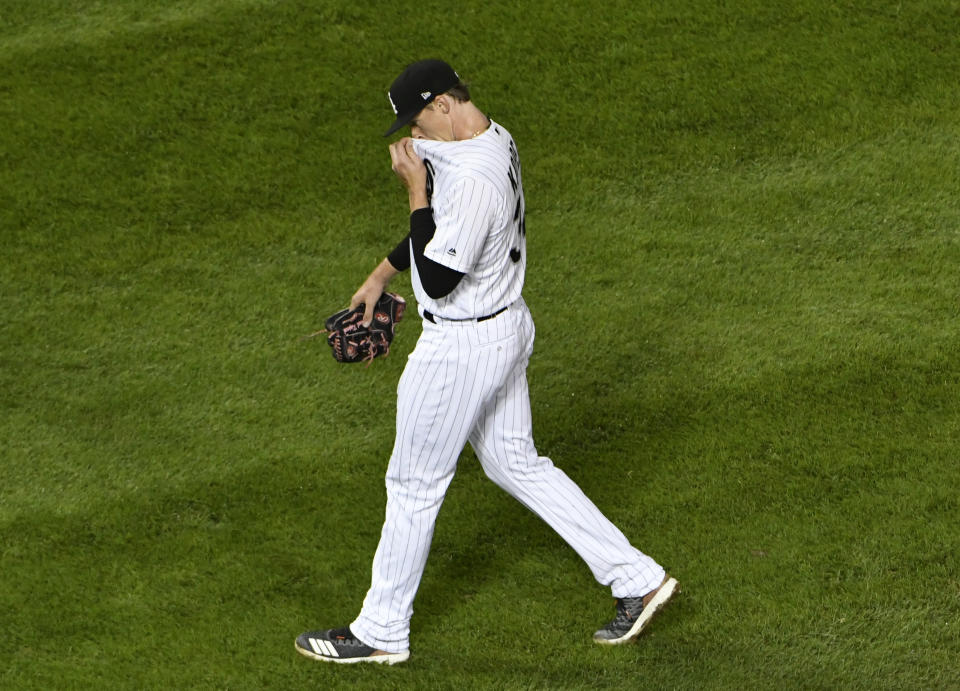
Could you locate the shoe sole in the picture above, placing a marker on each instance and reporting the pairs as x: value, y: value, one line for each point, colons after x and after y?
x: 384, y: 659
x: 666, y: 591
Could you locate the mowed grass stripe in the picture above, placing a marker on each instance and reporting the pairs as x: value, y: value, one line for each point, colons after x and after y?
x: 30, y: 27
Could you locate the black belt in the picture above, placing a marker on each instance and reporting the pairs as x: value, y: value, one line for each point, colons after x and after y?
x: 431, y: 317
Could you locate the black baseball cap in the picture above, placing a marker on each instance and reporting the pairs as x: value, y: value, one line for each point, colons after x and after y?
x: 416, y: 87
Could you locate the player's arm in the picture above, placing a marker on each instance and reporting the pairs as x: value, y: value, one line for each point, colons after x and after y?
x: 437, y: 280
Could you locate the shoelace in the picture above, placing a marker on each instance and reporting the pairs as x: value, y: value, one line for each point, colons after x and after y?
x: 627, y: 609
x: 350, y: 642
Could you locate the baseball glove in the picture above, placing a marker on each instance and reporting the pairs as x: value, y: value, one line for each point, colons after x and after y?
x: 351, y: 341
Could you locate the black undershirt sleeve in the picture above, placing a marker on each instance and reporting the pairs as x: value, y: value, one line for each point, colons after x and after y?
x: 400, y: 257
x: 437, y: 280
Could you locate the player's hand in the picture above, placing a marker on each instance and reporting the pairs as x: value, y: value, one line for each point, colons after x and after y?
x: 367, y: 295
x: 411, y: 171
x: 372, y: 289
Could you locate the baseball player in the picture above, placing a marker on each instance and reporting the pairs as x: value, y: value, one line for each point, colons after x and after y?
x: 465, y: 381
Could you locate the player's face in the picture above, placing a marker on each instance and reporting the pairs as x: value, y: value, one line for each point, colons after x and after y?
x: 431, y: 123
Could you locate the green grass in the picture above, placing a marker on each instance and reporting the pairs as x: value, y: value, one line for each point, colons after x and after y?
x: 743, y: 236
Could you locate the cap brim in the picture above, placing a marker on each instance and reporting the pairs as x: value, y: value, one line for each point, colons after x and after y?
x: 401, y: 121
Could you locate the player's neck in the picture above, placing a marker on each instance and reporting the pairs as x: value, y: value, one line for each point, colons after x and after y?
x: 471, y: 123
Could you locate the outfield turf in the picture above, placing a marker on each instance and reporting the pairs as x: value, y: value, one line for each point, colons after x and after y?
x: 744, y: 248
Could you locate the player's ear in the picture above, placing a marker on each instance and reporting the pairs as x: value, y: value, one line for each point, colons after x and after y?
x: 442, y: 103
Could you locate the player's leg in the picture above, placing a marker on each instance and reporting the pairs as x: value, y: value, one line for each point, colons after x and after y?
x: 447, y: 381
x: 503, y: 441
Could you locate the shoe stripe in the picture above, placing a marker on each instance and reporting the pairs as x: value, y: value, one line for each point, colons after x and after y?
x: 324, y: 648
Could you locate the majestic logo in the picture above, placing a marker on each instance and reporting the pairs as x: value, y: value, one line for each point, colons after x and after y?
x: 425, y: 95
x: 452, y: 252
x: 392, y: 104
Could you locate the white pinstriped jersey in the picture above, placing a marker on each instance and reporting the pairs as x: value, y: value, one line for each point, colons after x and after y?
x: 477, y: 198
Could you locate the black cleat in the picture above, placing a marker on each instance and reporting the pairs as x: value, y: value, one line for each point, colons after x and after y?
x: 340, y: 645
x: 634, y: 613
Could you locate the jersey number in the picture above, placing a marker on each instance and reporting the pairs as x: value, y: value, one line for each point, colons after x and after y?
x: 429, y: 167
x: 519, y: 214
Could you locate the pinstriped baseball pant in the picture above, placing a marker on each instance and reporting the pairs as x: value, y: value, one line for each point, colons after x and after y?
x: 466, y: 381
